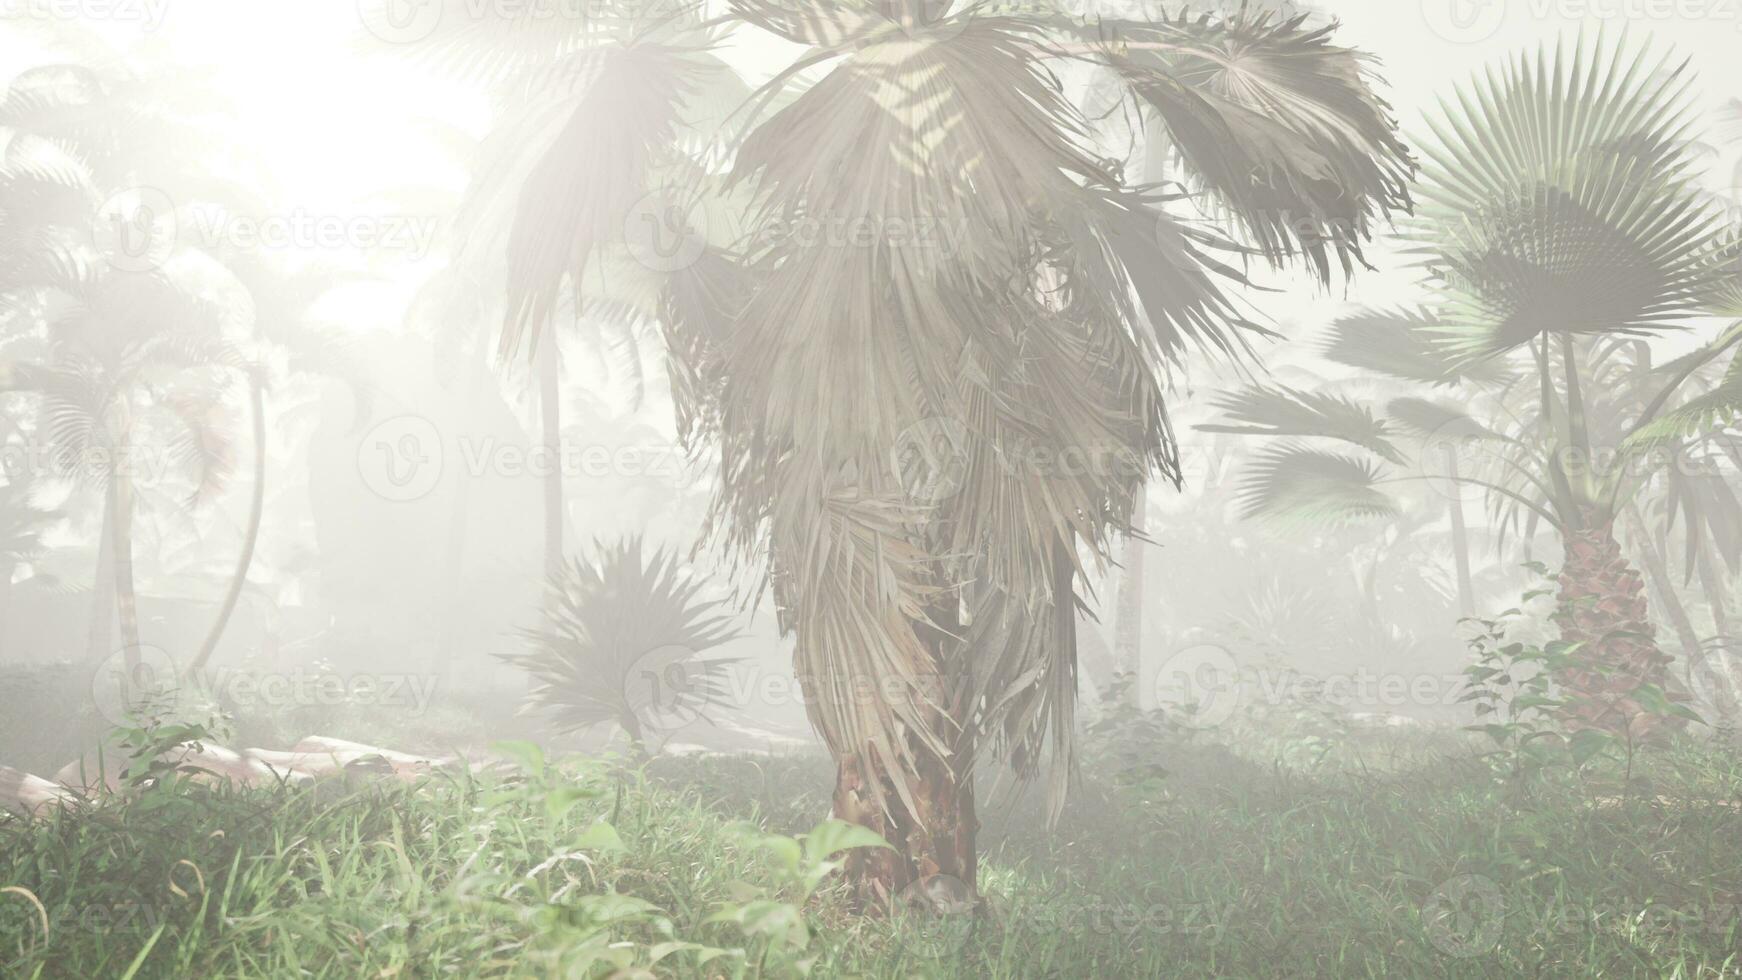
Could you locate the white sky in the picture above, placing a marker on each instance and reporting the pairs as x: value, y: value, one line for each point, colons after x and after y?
x: 342, y: 125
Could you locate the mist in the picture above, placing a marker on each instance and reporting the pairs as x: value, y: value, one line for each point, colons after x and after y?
x: 885, y: 488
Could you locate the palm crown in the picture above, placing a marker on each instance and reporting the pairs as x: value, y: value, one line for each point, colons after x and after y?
x: 837, y: 379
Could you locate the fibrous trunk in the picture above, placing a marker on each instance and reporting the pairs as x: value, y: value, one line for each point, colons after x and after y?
x: 1603, y: 609
x: 934, y: 862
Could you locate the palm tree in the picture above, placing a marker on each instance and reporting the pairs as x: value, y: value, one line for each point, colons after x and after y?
x: 622, y: 644
x: 138, y: 352
x: 888, y: 408
x: 1561, y: 220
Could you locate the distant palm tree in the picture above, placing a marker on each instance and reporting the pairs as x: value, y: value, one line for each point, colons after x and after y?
x: 1561, y: 221
x: 622, y: 644
x: 903, y: 415
x: 139, y: 346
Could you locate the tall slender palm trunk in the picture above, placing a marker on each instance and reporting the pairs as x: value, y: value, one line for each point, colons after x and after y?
x: 550, y: 406
x: 1602, y: 607
x: 1128, y: 626
x: 1460, y: 538
x: 1657, y: 568
x: 250, y: 536
x: 126, y: 596
x: 99, y: 643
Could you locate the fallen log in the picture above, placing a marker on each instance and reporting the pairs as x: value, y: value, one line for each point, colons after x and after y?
x: 20, y: 792
x: 201, y: 761
x: 346, y: 754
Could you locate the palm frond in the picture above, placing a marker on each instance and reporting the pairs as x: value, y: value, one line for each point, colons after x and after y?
x: 1284, y: 411
x: 623, y: 640
x: 581, y: 192
x: 1295, y: 484
x: 1559, y: 198
x: 1280, y: 125
x: 1402, y: 343
x: 1426, y: 419
x: 1704, y: 414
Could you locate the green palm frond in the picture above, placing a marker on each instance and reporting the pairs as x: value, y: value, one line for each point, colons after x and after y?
x: 622, y: 639
x: 1706, y: 413
x: 1426, y: 419
x: 1402, y: 344
x: 1559, y: 198
x: 581, y: 191
x: 1284, y: 411
x: 1280, y: 125
x: 1724, y: 293
x: 1295, y: 484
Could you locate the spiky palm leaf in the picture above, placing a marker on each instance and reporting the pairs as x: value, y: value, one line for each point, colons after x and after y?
x: 1284, y: 411
x: 1296, y: 484
x: 1402, y: 344
x: 1275, y: 121
x: 622, y: 643
x: 1559, y: 198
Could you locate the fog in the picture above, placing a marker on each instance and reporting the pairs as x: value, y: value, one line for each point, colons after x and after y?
x: 997, y: 459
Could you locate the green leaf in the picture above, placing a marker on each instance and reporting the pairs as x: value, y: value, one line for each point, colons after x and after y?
x: 612, y: 907
x: 601, y: 836
x: 559, y: 801
x: 834, y: 836
x: 1588, y: 742
x: 527, y: 755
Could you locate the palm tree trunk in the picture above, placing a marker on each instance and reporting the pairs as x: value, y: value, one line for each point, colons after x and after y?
x: 1128, y: 627
x: 1602, y: 608
x: 934, y: 858
x: 1713, y: 583
x: 100, y: 641
x: 1460, y: 538
x: 7, y: 570
x: 550, y: 404
x: 1667, y: 599
x: 459, y: 523
x: 250, y: 538
x: 126, y: 597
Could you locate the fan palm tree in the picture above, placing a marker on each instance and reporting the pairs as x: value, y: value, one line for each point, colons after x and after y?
x: 622, y: 644
x: 1561, y: 221
x: 888, y: 410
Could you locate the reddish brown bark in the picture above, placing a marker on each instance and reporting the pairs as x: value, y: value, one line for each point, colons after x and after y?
x: 1603, y: 608
x: 935, y: 860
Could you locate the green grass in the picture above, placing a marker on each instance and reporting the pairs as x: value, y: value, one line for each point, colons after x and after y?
x: 1228, y: 867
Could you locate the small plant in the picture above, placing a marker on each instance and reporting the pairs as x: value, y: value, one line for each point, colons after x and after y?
x: 1516, y: 706
x: 772, y: 919
x: 1524, y: 713
x: 621, y: 644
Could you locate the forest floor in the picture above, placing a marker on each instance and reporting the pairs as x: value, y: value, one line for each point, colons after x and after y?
x: 1394, y: 854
